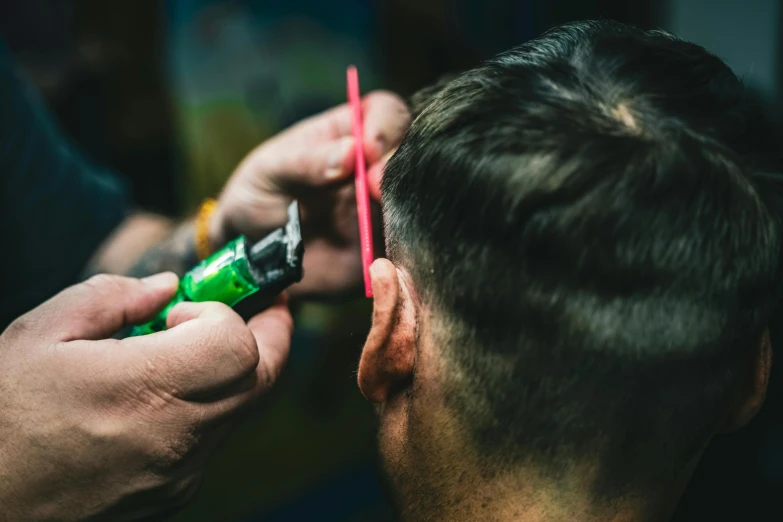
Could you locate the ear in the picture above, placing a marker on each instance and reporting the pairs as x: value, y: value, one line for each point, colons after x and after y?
x: 388, y: 357
x: 755, y: 390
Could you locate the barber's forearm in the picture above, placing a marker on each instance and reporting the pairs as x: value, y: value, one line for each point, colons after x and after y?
x: 147, y: 244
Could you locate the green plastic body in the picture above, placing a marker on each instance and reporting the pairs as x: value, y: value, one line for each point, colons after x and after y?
x: 224, y: 277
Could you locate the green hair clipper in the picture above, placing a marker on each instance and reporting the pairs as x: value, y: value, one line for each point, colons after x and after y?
x: 239, y: 270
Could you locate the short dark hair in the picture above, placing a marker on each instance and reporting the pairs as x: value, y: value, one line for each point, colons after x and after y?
x: 583, y: 216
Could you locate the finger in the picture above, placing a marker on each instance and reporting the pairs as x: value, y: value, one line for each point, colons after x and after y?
x: 386, y: 118
x: 206, y: 348
x: 282, y: 299
x: 272, y: 330
x: 319, y: 150
x: 381, y: 110
x: 188, y: 311
x: 304, y: 163
x: 99, y: 307
x: 340, y: 158
x: 375, y: 175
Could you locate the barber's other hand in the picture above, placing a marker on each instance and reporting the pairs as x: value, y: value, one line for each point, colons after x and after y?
x: 120, y: 429
x: 313, y: 162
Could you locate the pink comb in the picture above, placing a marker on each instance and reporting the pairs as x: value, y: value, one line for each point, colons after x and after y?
x: 362, y: 195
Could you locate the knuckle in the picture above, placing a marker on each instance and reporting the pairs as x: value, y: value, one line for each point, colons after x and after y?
x: 395, y: 117
x: 101, y: 281
x: 381, y: 95
x: 218, y: 309
x: 244, y: 349
x: 106, y: 285
x: 113, y: 434
x: 232, y: 335
x: 153, y: 396
x: 171, y: 446
x: 177, y: 493
x: 267, y: 376
x: 147, y: 392
x: 175, y: 451
x: 104, y: 428
x: 23, y: 327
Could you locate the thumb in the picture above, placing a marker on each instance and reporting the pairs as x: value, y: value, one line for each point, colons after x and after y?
x: 100, y: 306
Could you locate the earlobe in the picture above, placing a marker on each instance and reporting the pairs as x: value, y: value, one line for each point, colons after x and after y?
x: 755, y: 389
x: 388, y: 356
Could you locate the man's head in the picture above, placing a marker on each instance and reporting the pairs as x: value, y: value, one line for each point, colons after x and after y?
x: 581, y: 269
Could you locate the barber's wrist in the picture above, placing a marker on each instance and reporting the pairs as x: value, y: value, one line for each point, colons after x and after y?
x: 176, y: 253
x: 217, y: 233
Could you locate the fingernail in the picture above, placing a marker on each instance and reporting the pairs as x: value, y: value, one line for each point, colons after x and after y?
x: 333, y: 173
x: 162, y: 280
x: 386, y: 157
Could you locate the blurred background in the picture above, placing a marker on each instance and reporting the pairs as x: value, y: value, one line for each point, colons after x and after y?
x: 174, y: 93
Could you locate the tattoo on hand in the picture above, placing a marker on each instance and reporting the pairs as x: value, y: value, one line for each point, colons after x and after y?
x: 176, y: 253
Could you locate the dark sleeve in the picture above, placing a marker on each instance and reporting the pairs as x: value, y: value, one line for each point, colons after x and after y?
x: 55, y: 208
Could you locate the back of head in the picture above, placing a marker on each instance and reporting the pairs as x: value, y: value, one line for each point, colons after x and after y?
x: 581, y: 215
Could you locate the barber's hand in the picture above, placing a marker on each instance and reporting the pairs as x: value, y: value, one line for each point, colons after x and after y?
x: 313, y: 162
x: 120, y: 429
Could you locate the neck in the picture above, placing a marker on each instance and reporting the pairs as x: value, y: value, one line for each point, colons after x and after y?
x: 441, y: 482
x: 436, y: 474
x: 493, y: 501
